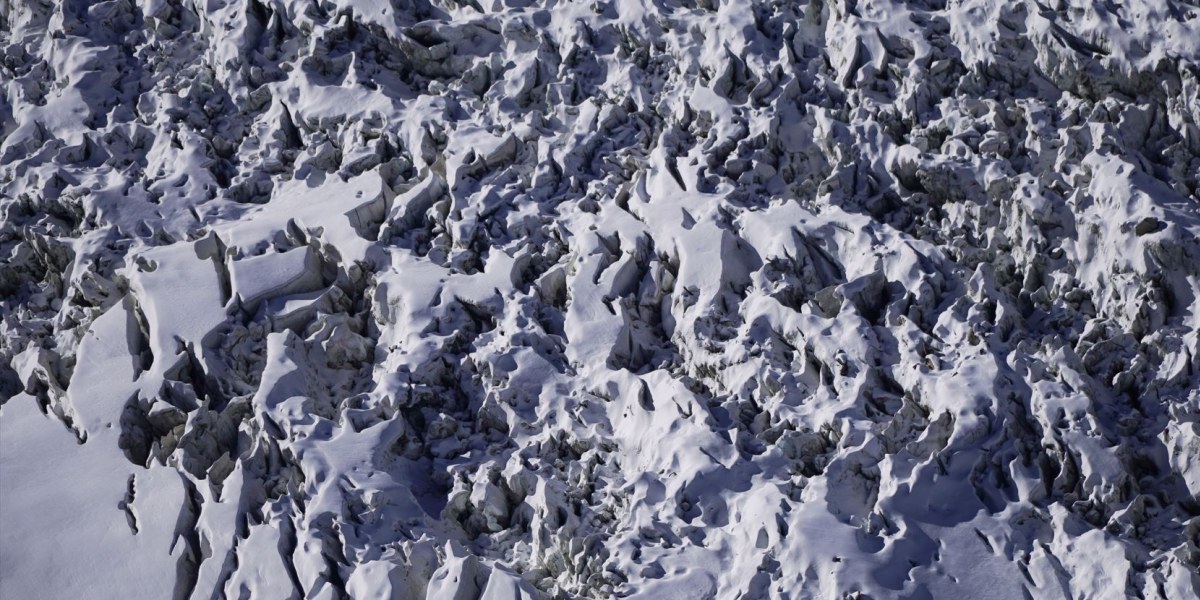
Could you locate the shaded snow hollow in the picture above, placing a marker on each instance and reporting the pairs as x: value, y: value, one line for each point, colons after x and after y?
x: 460, y: 299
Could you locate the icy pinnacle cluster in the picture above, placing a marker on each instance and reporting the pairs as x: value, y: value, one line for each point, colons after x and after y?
x: 500, y: 299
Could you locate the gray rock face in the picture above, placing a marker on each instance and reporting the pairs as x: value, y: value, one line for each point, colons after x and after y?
x: 656, y: 299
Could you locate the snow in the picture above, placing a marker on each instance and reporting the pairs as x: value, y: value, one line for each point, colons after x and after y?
x: 494, y: 299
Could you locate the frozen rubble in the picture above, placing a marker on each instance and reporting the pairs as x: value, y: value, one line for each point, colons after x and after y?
x: 503, y: 299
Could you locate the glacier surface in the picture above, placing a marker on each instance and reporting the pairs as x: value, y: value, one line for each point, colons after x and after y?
x: 505, y: 299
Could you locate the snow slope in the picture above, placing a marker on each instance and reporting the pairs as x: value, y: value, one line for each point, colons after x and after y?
x: 460, y: 299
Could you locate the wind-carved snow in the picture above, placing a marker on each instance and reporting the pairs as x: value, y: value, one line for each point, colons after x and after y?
x: 671, y: 299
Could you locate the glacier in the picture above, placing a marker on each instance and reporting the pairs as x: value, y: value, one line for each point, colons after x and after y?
x: 662, y: 299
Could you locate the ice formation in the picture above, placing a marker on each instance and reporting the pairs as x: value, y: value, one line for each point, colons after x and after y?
x: 500, y: 299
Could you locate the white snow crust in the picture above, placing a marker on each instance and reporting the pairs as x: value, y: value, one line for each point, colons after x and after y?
x: 661, y: 299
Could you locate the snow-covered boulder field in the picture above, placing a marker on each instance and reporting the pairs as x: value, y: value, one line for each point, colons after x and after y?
x: 661, y: 299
